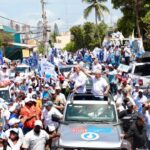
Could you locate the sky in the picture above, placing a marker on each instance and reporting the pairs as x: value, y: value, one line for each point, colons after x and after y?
x: 65, y: 13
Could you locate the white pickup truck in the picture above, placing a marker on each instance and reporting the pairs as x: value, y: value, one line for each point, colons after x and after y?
x: 140, y: 72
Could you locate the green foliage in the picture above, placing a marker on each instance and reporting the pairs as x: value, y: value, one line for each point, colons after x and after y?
x: 87, y: 35
x: 146, y: 20
x: 133, y: 12
x: 126, y: 26
x: 97, y: 6
x: 78, y: 36
x: 55, y: 33
x: 70, y: 47
x: 5, y: 38
x: 41, y: 48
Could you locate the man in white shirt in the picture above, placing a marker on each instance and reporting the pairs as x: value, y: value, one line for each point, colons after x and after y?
x: 127, y: 52
x: 79, y: 79
x: 96, y: 66
x: 47, y: 114
x: 36, y: 138
x: 100, y: 86
x: 4, y: 73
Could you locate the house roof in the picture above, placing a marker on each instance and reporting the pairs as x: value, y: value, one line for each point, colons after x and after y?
x: 7, y: 29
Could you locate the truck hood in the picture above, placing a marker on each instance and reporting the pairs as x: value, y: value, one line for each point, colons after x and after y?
x: 90, y: 135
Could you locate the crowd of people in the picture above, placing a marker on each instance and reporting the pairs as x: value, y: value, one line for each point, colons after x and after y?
x: 26, y: 121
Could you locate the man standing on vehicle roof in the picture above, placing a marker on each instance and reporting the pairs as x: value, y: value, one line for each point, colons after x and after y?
x: 79, y: 79
x: 100, y: 86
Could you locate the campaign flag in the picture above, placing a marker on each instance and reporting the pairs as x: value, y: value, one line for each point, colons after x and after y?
x: 33, y: 61
x: 123, y: 68
x: 48, y: 69
x: 1, y: 58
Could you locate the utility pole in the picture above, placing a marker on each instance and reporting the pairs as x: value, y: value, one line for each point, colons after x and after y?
x: 44, y: 17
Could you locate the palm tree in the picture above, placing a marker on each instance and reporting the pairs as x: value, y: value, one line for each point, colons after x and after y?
x: 98, y: 7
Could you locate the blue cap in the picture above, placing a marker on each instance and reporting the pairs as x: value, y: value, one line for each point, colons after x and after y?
x: 49, y: 103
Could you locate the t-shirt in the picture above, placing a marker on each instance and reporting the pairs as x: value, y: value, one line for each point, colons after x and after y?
x: 35, y: 142
x: 99, y: 86
x: 47, y: 116
x: 16, y: 146
x: 80, y: 80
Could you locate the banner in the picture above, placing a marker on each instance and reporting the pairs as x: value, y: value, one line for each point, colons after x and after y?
x: 123, y: 68
x: 1, y: 58
x: 33, y: 61
x: 48, y: 70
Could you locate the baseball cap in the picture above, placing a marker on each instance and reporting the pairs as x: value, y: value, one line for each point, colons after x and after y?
x: 141, y: 91
x: 49, y: 103
x: 58, y: 88
x: 13, y: 121
x: 137, y: 85
x: 46, y: 85
x: 38, y: 123
x: 14, y: 130
x: 27, y: 100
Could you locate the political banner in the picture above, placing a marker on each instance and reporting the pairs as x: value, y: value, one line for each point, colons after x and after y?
x: 48, y: 70
x: 1, y: 58
x: 123, y: 68
x: 33, y: 61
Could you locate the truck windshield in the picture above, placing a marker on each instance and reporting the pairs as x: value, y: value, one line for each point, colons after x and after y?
x: 90, y: 113
x: 142, y: 70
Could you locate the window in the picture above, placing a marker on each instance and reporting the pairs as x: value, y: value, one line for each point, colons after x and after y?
x: 90, y: 113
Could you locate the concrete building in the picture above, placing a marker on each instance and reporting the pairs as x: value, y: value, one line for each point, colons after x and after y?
x: 63, y: 39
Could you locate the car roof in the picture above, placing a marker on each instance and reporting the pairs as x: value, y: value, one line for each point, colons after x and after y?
x: 4, y: 88
x: 91, y: 102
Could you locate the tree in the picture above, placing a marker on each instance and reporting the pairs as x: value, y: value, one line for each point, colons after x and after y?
x: 41, y: 48
x: 5, y: 38
x: 55, y: 33
x: 133, y: 11
x: 70, y: 47
x: 146, y: 21
x: 97, y: 6
x: 77, y: 33
x: 86, y: 35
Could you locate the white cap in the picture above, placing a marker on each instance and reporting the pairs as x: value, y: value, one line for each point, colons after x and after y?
x: 46, y: 85
x: 58, y: 88
x: 38, y: 123
x: 12, y: 108
x: 141, y: 90
x: 16, y: 130
x: 137, y: 85
x: 27, y: 100
x: 4, y: 66
x: 13, y: 121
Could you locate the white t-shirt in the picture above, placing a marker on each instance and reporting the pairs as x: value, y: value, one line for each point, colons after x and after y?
x: 35, y: 142
x: 96, y: 67
x: 4, y: 75
x: 16, y: 146
x: 47, y: 116
x: 61, y: 97
x: 127, y: 52
x: 99, y: 86
x: 80, y: 80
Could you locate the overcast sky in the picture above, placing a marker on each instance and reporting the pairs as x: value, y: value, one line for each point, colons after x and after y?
x: 70, y: 12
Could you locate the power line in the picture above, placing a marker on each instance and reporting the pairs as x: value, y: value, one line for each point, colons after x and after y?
x: 17, y: 22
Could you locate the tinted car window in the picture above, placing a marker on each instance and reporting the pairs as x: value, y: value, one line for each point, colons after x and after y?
x: 90, y: 113
x: 142, y: 70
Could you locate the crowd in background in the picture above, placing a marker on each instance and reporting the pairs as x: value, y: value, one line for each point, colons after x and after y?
x: 26, y: 121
